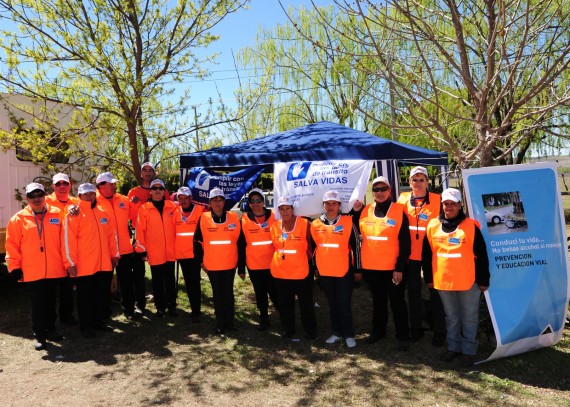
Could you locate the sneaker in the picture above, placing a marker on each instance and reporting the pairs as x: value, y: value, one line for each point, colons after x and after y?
x: 449, y: 355
x: 333, y: 339
x: 350, y: 342
x: 40, y: 344
x: 139, y: 313
x: 54, y: 336
x: 264, y: 324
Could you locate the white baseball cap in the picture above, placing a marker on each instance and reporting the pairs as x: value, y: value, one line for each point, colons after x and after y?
x: 156, y: 182
x: 451, y: 194
x: 85, y: 188
x: 106, y: 177
x: 284, y: 200
x: 215, y: 193
x: 184, y: 191
x: 60, y: 177
x: 34, y: 186
x: 255, y: 191
x: 381, y: 179
x: 147, y: 164
x: 418, y: 170
x: 331, y: 195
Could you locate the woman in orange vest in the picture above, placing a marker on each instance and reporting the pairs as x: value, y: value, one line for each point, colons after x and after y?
x: 33, y: 255
x: 290, y: 267
x: 155, y: 240
x: 385, y: 250
x: 186, y: 219
x: 256, y: 251
x: 421, y: 207
x: 89, y: 247
x: 215, y: 246
x: 455, y: 262
x: 335, y: 240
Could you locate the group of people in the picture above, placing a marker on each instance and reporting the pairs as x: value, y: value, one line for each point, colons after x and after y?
x: 387, y: 243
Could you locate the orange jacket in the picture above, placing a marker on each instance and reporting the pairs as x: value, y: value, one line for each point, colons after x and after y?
x: 185, y: 226
x: 290, y: 260
x: 89, y: 240
x: 52, y: 200
x: 418, y: 218
x: 453, y: 260
x: 120, y: 211
x: 143, y: 194
x: 155, y: 235
x: 220, y: 241
x: 34, y: 245
x: 259, y: 246
x: 380, y: 244
x: 332, y: 247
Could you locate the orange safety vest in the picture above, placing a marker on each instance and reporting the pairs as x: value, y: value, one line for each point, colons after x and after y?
x: 290, y: 260
x: 380, y: 243
x: 120, y: 211
x: 259, y: 246
x: 418, y: 218
x: 220, y: 241
x: 34, y: 245
x: 453, y: 260
x: 143, y: 194
x: 185, y: 226
x: 52, y: 200
x: 155, y: 235
x: 89, y: 240
x: 332, y: 243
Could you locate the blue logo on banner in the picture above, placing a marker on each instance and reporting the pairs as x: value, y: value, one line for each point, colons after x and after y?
x: 298, y: 170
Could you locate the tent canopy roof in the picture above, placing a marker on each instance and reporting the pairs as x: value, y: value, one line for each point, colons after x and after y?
x: 314, y: 142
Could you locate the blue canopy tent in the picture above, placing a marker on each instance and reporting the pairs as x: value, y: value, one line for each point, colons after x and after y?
x: 315, y: 142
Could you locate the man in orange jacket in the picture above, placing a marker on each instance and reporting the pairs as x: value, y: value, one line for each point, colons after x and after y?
x: 33, y: 255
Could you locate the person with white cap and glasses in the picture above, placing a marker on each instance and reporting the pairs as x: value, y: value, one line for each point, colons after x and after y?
x: 33, y: 255
x: 215, y: 246
x: 89, y: 248
x: 256, y: 251
x: 385, y: 249
x: 455, y: 262
x: 186, y: 219
x: 421, y: 206
x: 290, y: 267
x: 337, y: 254
x: 155, y: 236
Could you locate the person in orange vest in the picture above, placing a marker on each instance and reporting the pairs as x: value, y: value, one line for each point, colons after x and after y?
x: 421, y: 206
x: 33, y: 255
x: 89, y: 247
x: 455, y: 262
x: 215, y: 246
x: 141, y: 193
x: 61, y: 199
x: 130, y: 269
x: 185, y: 220
x: 385, y: 249
x: 336, y: 253
x: 155, y: 236
x: 256, y: 251
x: 292, y: 242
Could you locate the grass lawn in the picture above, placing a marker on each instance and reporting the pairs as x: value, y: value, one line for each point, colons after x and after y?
x: 171, y: 361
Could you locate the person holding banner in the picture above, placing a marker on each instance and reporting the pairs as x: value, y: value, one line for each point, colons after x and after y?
x: 421, y: 207
x: 155, y: 236
x: 385, y: 250
x: 256, y: 251
x: 290, y: 267
x: 215, y: 247
x: 336, y: 246
x: 455, y: 262
x: 185, y: 220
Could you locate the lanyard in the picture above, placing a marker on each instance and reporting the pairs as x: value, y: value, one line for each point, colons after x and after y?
x: 40, y: 227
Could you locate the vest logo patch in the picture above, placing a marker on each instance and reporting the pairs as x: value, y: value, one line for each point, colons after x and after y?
x: 424, y: 216
x: 122, y: 205
x: 391, y: 222
x: 184, y: 218
x: 54, y: 221
x: 338, y: 229
x: 232, y: 226
x: 264, y: 225
x: 453, y: 240
x: 104, y: 221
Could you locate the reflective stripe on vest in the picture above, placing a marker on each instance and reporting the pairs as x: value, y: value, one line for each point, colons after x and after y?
x: 259, y: 246
x: 290, y: 259
x: 220, y: 248
x: 332, y: 252
x: 185, y: 224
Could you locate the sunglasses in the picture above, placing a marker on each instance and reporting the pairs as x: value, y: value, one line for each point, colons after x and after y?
x: 157, y: 189
x: 61, y: 184
x: 254, y: 201
x: 418, y: 180
x: 380, y: 189
x: 102, y: 183
x: 35, y: 195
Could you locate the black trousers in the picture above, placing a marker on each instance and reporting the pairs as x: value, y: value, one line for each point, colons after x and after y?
x: 87, y: 302
x: 264, y: 287
x: 437, y: 313
x: 103, y: 280
x: 413, y: 284
x: 65, y: 298
x: 132, y: 282
x: 382, y: 288
x: 43, y: 298
x: 339, y: 295
x: 303, y: 289
x: 222, y: 282
x: 163, y: 286
x: 192, y: 280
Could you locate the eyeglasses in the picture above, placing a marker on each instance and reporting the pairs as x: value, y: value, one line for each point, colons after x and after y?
x: 380, y: 189
x: 34, y: 195
x: 61, y: 184
x: 102, y: 183
x: 255, y: 201
x: 157, y: 189
x: 418, y: 180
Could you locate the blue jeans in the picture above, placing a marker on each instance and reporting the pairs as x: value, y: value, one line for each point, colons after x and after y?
x: 461, y: 319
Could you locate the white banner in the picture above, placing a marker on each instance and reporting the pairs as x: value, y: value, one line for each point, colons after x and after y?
x: 306, y: 182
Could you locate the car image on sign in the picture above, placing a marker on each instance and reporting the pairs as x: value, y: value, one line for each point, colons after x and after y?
x: 493, y: 217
